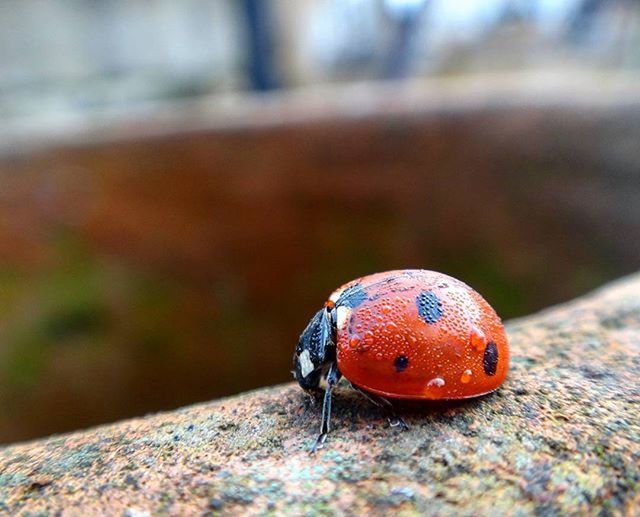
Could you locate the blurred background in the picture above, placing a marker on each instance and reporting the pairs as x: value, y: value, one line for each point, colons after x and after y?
x: 183, y: 183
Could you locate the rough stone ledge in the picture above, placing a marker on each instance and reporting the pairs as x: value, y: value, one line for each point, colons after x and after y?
x: 562, y: 436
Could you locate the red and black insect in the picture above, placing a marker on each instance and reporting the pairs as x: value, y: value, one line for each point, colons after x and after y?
x: 407, y: 334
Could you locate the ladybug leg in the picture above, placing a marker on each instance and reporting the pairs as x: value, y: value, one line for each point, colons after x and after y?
x: 333, y: 376
x: 394, y: 419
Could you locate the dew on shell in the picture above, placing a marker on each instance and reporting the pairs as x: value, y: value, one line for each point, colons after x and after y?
x: 477, y: 339
x: 436, y: 382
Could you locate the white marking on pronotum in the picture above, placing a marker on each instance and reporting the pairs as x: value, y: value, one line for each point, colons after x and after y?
x: 343, y: 315
x: 306, y: 366
x: 335, y: 295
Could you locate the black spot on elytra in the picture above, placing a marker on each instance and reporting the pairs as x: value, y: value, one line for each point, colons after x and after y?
x: 401, y: 363
x: 490, y: 359
x: 352, y: 296
x: 429, y: 306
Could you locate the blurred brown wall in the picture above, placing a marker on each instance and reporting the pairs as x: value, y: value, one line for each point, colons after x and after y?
x: 146, y: 272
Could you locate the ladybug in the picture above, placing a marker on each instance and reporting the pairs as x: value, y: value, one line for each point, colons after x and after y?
x: 410, y: 334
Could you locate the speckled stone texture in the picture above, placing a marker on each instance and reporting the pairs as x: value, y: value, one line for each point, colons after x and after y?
x: 562, y: 436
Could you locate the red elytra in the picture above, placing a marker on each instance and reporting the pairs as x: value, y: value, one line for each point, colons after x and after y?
x: 406, y: 334
x: 456, y: 349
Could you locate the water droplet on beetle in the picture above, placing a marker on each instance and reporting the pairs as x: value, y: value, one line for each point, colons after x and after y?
x: 436, y: 382
x: 465, y: 378
x: 478, y: 339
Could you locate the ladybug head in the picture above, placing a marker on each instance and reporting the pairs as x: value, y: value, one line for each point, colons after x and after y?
x: 316, y: 349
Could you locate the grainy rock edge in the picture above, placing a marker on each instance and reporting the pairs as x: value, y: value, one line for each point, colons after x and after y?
x: 562, y: 436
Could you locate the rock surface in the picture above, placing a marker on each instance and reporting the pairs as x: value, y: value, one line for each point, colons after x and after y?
x: 562, y: 436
